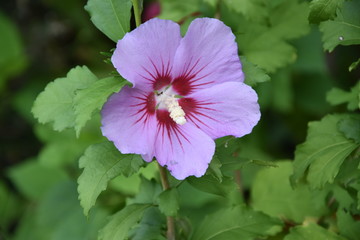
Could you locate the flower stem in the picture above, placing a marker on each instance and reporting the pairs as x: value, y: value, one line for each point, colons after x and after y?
x: 137, y: 12
x: 170, y: 221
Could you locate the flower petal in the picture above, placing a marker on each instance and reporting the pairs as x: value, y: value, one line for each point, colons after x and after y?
x: 185, y: 149
x: 207, y: 55
x: 225, y: 109
x: 128, y: 120
x: 147, y: 53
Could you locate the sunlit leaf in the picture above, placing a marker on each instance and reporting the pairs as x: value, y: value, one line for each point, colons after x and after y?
x: 112, y: 17
x: 93, y: 98
x: 272, y: 194
x: 311, y: 231
x: 55, y: 103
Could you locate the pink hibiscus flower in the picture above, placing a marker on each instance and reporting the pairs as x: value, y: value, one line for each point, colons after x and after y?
x: 186, y: 93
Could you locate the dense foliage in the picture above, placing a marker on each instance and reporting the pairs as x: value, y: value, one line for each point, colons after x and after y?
x: 296, y: 176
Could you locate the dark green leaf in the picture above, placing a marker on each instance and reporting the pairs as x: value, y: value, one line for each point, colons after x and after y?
x: 150, y: 226
x: 112, y: 17
x: 169, y: 202
x: 101, y: 163
x: 210, y: 184
x: 236, y: 223
x: 214, y: 168
x: 322, y: 10
x: 322, y: 153
x: 350, y: 127
x: 92, y: 98
x: 55, y: 103
x: 119, y: 225
x: 344, y: 29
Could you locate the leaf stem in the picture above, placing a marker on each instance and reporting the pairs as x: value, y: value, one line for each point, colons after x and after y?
x: 137, y: 13
x: 170, y: 221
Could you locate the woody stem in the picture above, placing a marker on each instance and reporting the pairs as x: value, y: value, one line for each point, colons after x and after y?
x: 170, y: 221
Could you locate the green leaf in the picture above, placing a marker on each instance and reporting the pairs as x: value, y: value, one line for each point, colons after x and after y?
x: 55, y: 103
x: 344, y: 29
x: 322, y: 153
x: 338, y: 96
x: 169, y: 202
x: 9, y: 207
x: 236, y: 223
x: 348, y: 227
x: 112, y: 17
x: 93, y: 98
x: 350, y: 127
x: 322, y: 10
x: 178, y: 10
x: 101, y: 163
x: 210, y: 184
x: 311, y: 231
x: 289, y: 19
x: 265, y: 49
x: 251, y: 9
x: 214, y: 168
x: 272, y: 194
x: 148, y: 192
x: 33, y: 180
x: 120, y: 223
x: 12, y: 57
x: 150, y: 226
x: 354, y: 65
x: 253, y: 73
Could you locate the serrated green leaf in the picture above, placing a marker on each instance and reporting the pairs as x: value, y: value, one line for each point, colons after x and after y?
x: 236, y: 223
x: 338, y: 96
x: 344, y: 29
x: 168, y: 202
x: 93, y: 98
x: 55, y: 103
x: 253, y: 74
x: 33, y: 180
x: 112, y: 17
x: 148, y: 192
x: 311, y: 231
x: 348, y: 227
x: 272, y: 194
x: 342, y: 196
x: 119, y: 225
x: 322, y: 153
x: 350, y: 127
x: 322, y: 10
x: 251, y: 9
x: 101, y: 163
x: 289, y: 19
x: 265, y: 49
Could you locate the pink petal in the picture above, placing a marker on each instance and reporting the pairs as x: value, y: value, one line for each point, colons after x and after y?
x: 185, y: 150
x: 129, y: 120
x: 145, y: 56
x: 206, y: 56
x: 225, y: 109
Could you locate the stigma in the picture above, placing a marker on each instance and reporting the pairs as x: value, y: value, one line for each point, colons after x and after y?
x: 170, y: 102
